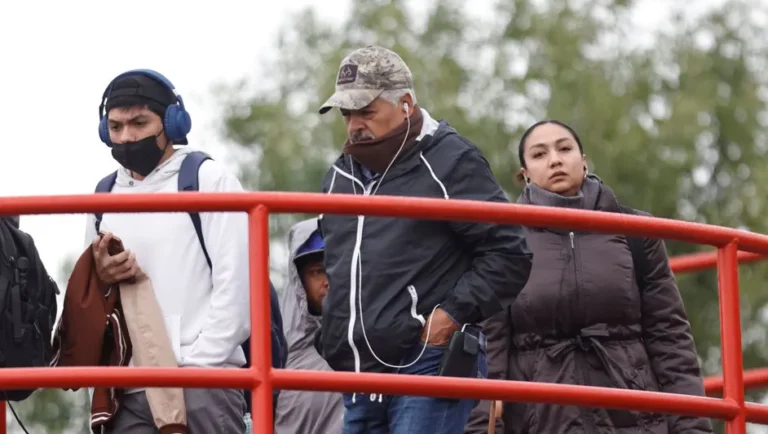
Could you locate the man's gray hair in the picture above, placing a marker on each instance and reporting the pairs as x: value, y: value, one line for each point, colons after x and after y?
x: 394, y: 95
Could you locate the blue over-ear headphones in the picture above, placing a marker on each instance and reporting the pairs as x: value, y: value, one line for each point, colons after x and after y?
x: 176, y: 123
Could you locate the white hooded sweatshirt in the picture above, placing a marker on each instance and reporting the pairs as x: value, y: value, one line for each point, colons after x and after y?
x: 206, y: 311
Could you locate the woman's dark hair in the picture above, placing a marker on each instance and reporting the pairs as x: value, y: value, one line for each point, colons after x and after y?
x: 521, y: 146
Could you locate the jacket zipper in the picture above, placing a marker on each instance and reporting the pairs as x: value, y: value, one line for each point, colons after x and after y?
x: 353, y: 276
x: 353, y: 273
x: 358, y: 272
x: 577, y: 293
x: 587, y: 412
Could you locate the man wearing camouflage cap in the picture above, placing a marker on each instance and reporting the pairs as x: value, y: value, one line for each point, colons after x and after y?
x: 400, y: 289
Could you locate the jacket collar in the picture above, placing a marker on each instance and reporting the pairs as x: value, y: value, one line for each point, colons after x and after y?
x: 432, y: 132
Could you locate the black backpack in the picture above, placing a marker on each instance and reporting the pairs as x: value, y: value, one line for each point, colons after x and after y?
x: 27, y: 304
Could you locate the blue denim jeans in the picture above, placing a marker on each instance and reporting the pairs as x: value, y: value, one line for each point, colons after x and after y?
x: 377, y: 414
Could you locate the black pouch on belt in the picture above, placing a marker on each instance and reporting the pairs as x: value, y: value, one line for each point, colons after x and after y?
x: 460, y: 357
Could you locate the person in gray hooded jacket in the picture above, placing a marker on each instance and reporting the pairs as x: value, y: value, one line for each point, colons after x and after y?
x: 301, y: 303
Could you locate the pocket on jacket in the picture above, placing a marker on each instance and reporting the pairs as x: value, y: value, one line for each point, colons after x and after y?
x: 173, y: 327
x: 646, y: 378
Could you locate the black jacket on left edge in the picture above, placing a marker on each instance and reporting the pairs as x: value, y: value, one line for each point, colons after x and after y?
x: 404, y: 267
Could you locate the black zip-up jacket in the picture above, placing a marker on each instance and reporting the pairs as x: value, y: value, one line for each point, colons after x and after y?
x: 402, y: 267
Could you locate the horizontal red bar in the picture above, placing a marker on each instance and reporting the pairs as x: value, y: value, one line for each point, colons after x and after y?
x: 412, y: 385
x: 706, y: 261
x: 521, y: 391
x: 20, y: 378
x: 459, y: 210
x: 753, y: 379
x: 75, y: 378
x: 757, y: 413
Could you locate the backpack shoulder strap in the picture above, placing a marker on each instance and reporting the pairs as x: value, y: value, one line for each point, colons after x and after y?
x: 104, y: 186
x: 637, y: 247
x: 189, y: 181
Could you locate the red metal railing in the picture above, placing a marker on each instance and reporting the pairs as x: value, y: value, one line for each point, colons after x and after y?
x: 261, y: 378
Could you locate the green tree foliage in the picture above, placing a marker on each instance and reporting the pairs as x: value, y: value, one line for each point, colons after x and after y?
x: 713, y: 136
x: 676, y: 129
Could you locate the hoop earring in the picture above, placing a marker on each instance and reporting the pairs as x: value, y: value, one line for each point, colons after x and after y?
x: 527, y: 181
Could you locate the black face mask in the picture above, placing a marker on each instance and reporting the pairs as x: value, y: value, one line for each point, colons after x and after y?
x: 140, y: 156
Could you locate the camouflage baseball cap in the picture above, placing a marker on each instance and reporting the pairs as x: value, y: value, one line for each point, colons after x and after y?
x: 364, y: 74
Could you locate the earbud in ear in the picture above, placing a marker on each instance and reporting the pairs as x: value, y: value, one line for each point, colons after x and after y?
x: 405, y: 107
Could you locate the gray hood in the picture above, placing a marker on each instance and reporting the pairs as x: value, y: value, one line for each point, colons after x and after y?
x: 303, y: 411
x: 300, y: 326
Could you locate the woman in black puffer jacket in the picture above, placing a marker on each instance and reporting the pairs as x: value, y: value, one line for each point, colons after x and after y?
x: 590, y: 314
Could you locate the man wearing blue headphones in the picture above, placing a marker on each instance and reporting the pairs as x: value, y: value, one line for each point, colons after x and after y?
x: 199, y: 271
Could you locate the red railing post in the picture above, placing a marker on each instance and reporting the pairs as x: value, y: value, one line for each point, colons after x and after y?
x: 730, y: 333
x: 3, y: 422
x: 261, y: 347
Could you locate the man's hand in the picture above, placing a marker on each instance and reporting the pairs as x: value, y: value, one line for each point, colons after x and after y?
x: 116, y: 268
x: 441, y: 330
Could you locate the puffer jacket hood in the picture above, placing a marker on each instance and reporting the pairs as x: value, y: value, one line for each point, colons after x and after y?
x: 594, y: 195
